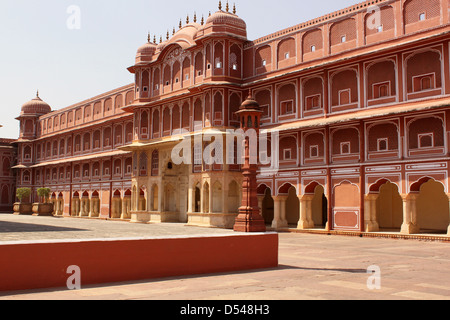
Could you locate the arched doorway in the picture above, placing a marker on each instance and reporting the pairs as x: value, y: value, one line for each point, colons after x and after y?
x: 76, y: 205
x: 142, y: 204
x: 292, y: 203
x: 389, y: 208
x: 115, y: 205
x: 319, y: 207
x: 197, y: 199
x: 268, y: 207
x: 432, y: 207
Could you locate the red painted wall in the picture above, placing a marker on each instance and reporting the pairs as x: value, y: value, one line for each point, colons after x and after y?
x: 37, y: 266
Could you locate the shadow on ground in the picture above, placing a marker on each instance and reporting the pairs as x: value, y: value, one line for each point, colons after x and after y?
x: 14, y: 227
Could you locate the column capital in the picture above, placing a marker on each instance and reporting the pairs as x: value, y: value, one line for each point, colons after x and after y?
x: 306, y: 197
x: 371, y: 196
x: 409, y: 196
x: 280, y: 198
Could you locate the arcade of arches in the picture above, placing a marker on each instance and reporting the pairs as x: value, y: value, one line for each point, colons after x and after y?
x: 425, y: 209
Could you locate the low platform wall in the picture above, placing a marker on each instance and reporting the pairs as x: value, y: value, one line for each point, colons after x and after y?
x: 39, y: 265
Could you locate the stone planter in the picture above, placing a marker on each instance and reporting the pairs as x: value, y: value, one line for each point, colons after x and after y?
x: 43, y: 209
x: 23, y: 208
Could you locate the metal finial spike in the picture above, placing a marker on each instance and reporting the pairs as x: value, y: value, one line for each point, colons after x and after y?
x: 195, y: 17
x: 234, y: 8
x: 203, y: 20
x: 148, y: 37
x: 167, y: 35
x: 227, y: 7
x: 37, y: 94
x: 154, y: 39
x: 180, y: 24
x: 160, y: 39
x: 220, y: 5
x: 187, y: 19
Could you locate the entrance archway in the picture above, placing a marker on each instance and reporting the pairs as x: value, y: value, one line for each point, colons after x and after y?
x: 197, y: 199
x: 319, y: 207
x: 432, y: 207
x: 268, y: 205
x: 389, y: 208
x: 292, y: 204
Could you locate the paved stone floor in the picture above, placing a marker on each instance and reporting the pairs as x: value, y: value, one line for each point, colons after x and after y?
x: 311, y: 267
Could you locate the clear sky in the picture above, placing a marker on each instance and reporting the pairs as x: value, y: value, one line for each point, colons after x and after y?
x: 38, y: 51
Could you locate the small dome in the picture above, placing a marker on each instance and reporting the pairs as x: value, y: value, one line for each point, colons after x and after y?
x: 226, y: 18
x: 250, y: 104
x: 35, y: 107
x: 145, y: 52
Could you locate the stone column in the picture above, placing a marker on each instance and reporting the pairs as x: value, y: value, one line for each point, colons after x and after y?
x: 279, y: 212
x: 211, y: 199
x: 191, y: 198
x: 305, y: 221
x: 409, y: 225
x: 370, y: 213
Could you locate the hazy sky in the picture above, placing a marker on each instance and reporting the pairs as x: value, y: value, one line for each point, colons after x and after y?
x: 39, y: 52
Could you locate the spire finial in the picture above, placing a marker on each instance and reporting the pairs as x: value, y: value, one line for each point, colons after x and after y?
x: 148, y: 37
x: 234, y: 8
x: 37, y: 93
x: 180, y: 24
x: 160, y: 39
x: 209, y: 14
x: 203, y: 20
x: 187, y: 19
x: 154, y: 38
x: 167, y: 35
x: 195, y: 17
x: 173, y: 31
x: 220, y: 5
x: 227, y: 8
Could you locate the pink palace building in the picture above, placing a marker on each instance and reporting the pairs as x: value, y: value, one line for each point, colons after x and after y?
x: 359, y: 100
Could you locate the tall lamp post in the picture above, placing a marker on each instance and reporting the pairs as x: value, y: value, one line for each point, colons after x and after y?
x: 249, y: 218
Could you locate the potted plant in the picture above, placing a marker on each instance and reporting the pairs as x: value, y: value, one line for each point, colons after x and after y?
x: 44, y: 207
x: 23, y: 208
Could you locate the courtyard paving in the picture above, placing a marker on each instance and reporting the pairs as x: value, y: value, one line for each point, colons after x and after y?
x: 311, y: 267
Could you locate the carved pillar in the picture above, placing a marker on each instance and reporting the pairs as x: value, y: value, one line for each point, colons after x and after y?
x: 249, y: 218
x: 279, y: 212
x: 306, y: 221
x: 370, y: 213
x: 409, y: 225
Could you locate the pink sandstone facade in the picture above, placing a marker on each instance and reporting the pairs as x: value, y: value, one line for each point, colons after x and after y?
x: 360, y: 100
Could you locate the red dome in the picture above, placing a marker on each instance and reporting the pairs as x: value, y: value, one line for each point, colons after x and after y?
x: 226, y: 18
x: 35, y: 107
x: 146, y: 51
